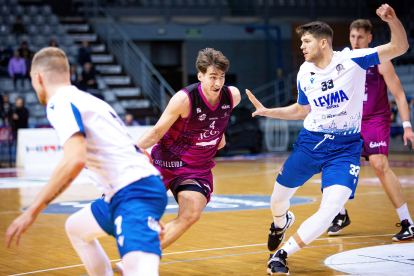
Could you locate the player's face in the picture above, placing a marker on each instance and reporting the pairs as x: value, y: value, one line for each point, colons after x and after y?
x: 311, y: 48
x: 212, y: 81
x: 38, y: 87
x: 359, y: 38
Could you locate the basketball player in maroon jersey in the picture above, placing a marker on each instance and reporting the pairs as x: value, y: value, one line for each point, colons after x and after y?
x: 375, y: 130
x: 187, y: 136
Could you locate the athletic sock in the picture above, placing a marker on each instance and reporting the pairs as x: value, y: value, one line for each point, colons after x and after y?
x: 291, y: 246
x: 343, y: 211
x: 404, y: 214
x: 280, y: 222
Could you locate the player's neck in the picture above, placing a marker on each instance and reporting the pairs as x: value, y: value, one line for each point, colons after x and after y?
x: 53, y: 88
x: 211, y: 99
x: 325, y: 60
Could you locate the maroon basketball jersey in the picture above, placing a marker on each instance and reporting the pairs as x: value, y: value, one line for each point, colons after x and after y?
x: 194, y: 140
x: 376, y: 96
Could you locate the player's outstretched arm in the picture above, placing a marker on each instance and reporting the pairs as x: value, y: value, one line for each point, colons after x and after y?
x: 69, y: 167
x: 393, y: 83
x: 399, y: 43
x: 179, y: 105
x: 293, y: 112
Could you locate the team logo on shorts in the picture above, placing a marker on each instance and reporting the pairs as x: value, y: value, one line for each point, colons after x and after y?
x: 281, y: 170
x: 202, y: 117
x: 375, y: 144
x: 339, y: 68
x: 154, y: 225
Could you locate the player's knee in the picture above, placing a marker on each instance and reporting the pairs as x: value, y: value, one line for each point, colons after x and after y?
x: 192, y: 218
x: 70, y: 226
x: 327, y: 213
x: 380, y: 166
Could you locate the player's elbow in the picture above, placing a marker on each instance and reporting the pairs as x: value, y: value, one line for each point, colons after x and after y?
x: 401, y: 48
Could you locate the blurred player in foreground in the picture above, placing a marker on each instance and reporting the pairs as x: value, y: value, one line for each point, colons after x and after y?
x: 95, y: 138
x: 188, y: 135
x: 375, y: 131
x: 331, y: 85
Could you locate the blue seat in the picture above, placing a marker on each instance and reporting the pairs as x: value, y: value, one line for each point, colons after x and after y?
x: 5, y: 10
x: 38, y: 40
x: 10, y: 19
x: 32, y: 10
x: 53, y: 20
x: 4, y: 30
x: 60, y: 30
x: 38, y: 19
x: 32, y: 29
x: 26, y: 19
x: 19, y: 10
x: 46, y: 10
x: 46, y: 30
x: 9, y: 40
x: 24, y: 37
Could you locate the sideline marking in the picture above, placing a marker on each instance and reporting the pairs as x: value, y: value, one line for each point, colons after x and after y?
x: 212, y: 249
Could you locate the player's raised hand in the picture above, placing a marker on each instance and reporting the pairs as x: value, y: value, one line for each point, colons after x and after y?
x: 18, y: 227
x: 408, y: 135
x: 386, y: 13
x: 260, y: 109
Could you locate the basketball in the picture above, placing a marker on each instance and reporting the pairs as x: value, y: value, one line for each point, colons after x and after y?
x: 147, y: 154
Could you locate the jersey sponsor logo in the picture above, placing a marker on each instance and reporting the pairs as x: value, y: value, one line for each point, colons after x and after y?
x: 198, y: 110
x: 225, y: 115
x: 202, y: 117
x: 205, y: 144
x: 339, y: 68
x: 208, y: 134
x: 312, y: 80
x: 168, y: 164
x: 330, y: 116
x: 331, y: 100
x: 308, y: 87
x: 216, y: 118
x: 225, y: 106
x: 375, y: 144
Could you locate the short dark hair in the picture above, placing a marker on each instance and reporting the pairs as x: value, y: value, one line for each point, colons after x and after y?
x: 361, y: 24
x: 208, y: 57
x: 317, y: 29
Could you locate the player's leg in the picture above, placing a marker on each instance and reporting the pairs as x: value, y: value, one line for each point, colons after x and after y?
x: 334, y: 198
x: 139, y: 263
x: 83, y: 231
x: 298, y: 168
x: 394, y: 191
x: 190, y: 205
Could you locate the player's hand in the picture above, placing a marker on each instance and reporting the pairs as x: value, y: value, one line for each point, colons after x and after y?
x: 408, y: 135
x: 386, y: 13
x: 19, y: 226
x: 260, y: 109
x: 162, y: 233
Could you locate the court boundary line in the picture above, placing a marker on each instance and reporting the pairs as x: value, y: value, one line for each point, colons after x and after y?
x: 222, y: 248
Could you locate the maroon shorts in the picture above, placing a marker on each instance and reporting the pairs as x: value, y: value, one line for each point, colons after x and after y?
x: 376, y: 136
x: 193, y: 180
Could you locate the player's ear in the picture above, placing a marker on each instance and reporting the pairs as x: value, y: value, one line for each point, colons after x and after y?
x: 200, y: 76
x: 369, y: 38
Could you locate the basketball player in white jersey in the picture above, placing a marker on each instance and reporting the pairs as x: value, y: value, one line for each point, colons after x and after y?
x: 331, y: 89
x: 94, y: 137
x: 375, y: 131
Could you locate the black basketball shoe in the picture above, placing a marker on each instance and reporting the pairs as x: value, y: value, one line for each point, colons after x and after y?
x: 277, y: 235
x: 406, y: 233
x: 277, y: 263
x: 339, y: 222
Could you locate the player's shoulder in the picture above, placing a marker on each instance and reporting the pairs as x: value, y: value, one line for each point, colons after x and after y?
x: 306, y: 69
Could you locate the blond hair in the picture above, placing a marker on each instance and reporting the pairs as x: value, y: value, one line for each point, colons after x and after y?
x: 51, y: 59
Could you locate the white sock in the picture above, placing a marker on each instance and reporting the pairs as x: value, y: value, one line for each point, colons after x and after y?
x: 343, y: 211
x: 404, y: 214
x: 291, y: 246
x: 280, y: 222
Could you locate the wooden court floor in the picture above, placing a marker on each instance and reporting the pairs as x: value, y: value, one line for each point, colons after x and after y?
x: 221, y: 243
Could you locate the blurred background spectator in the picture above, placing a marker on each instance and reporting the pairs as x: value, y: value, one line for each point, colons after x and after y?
x: 27, y: 55
x: 5, y: 108
x: 84, y: 53
x: 88, y: 78
x: 74, y: 75
x: 129, y: 120
x: 53, y: 43
x: 18, y: 27
x: 5, y: 57
x: 18, y: 116
x: 17, y: 68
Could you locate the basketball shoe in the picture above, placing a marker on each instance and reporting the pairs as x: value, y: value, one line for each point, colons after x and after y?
x: 120, y: 268
x: 277, y: 235
x: 277, y: 263
x: 339, y: 222
x: 406, y: 233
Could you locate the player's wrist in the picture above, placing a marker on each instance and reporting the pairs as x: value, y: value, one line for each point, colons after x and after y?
x: 407, y: 125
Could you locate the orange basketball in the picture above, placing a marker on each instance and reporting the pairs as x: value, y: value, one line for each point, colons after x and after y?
x: 147, y: 154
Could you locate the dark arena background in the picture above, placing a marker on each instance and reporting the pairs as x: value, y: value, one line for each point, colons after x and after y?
x: 135, y: 55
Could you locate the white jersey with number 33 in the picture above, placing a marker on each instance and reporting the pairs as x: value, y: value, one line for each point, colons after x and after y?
x: 336, y: 93
x: 112, y: 160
